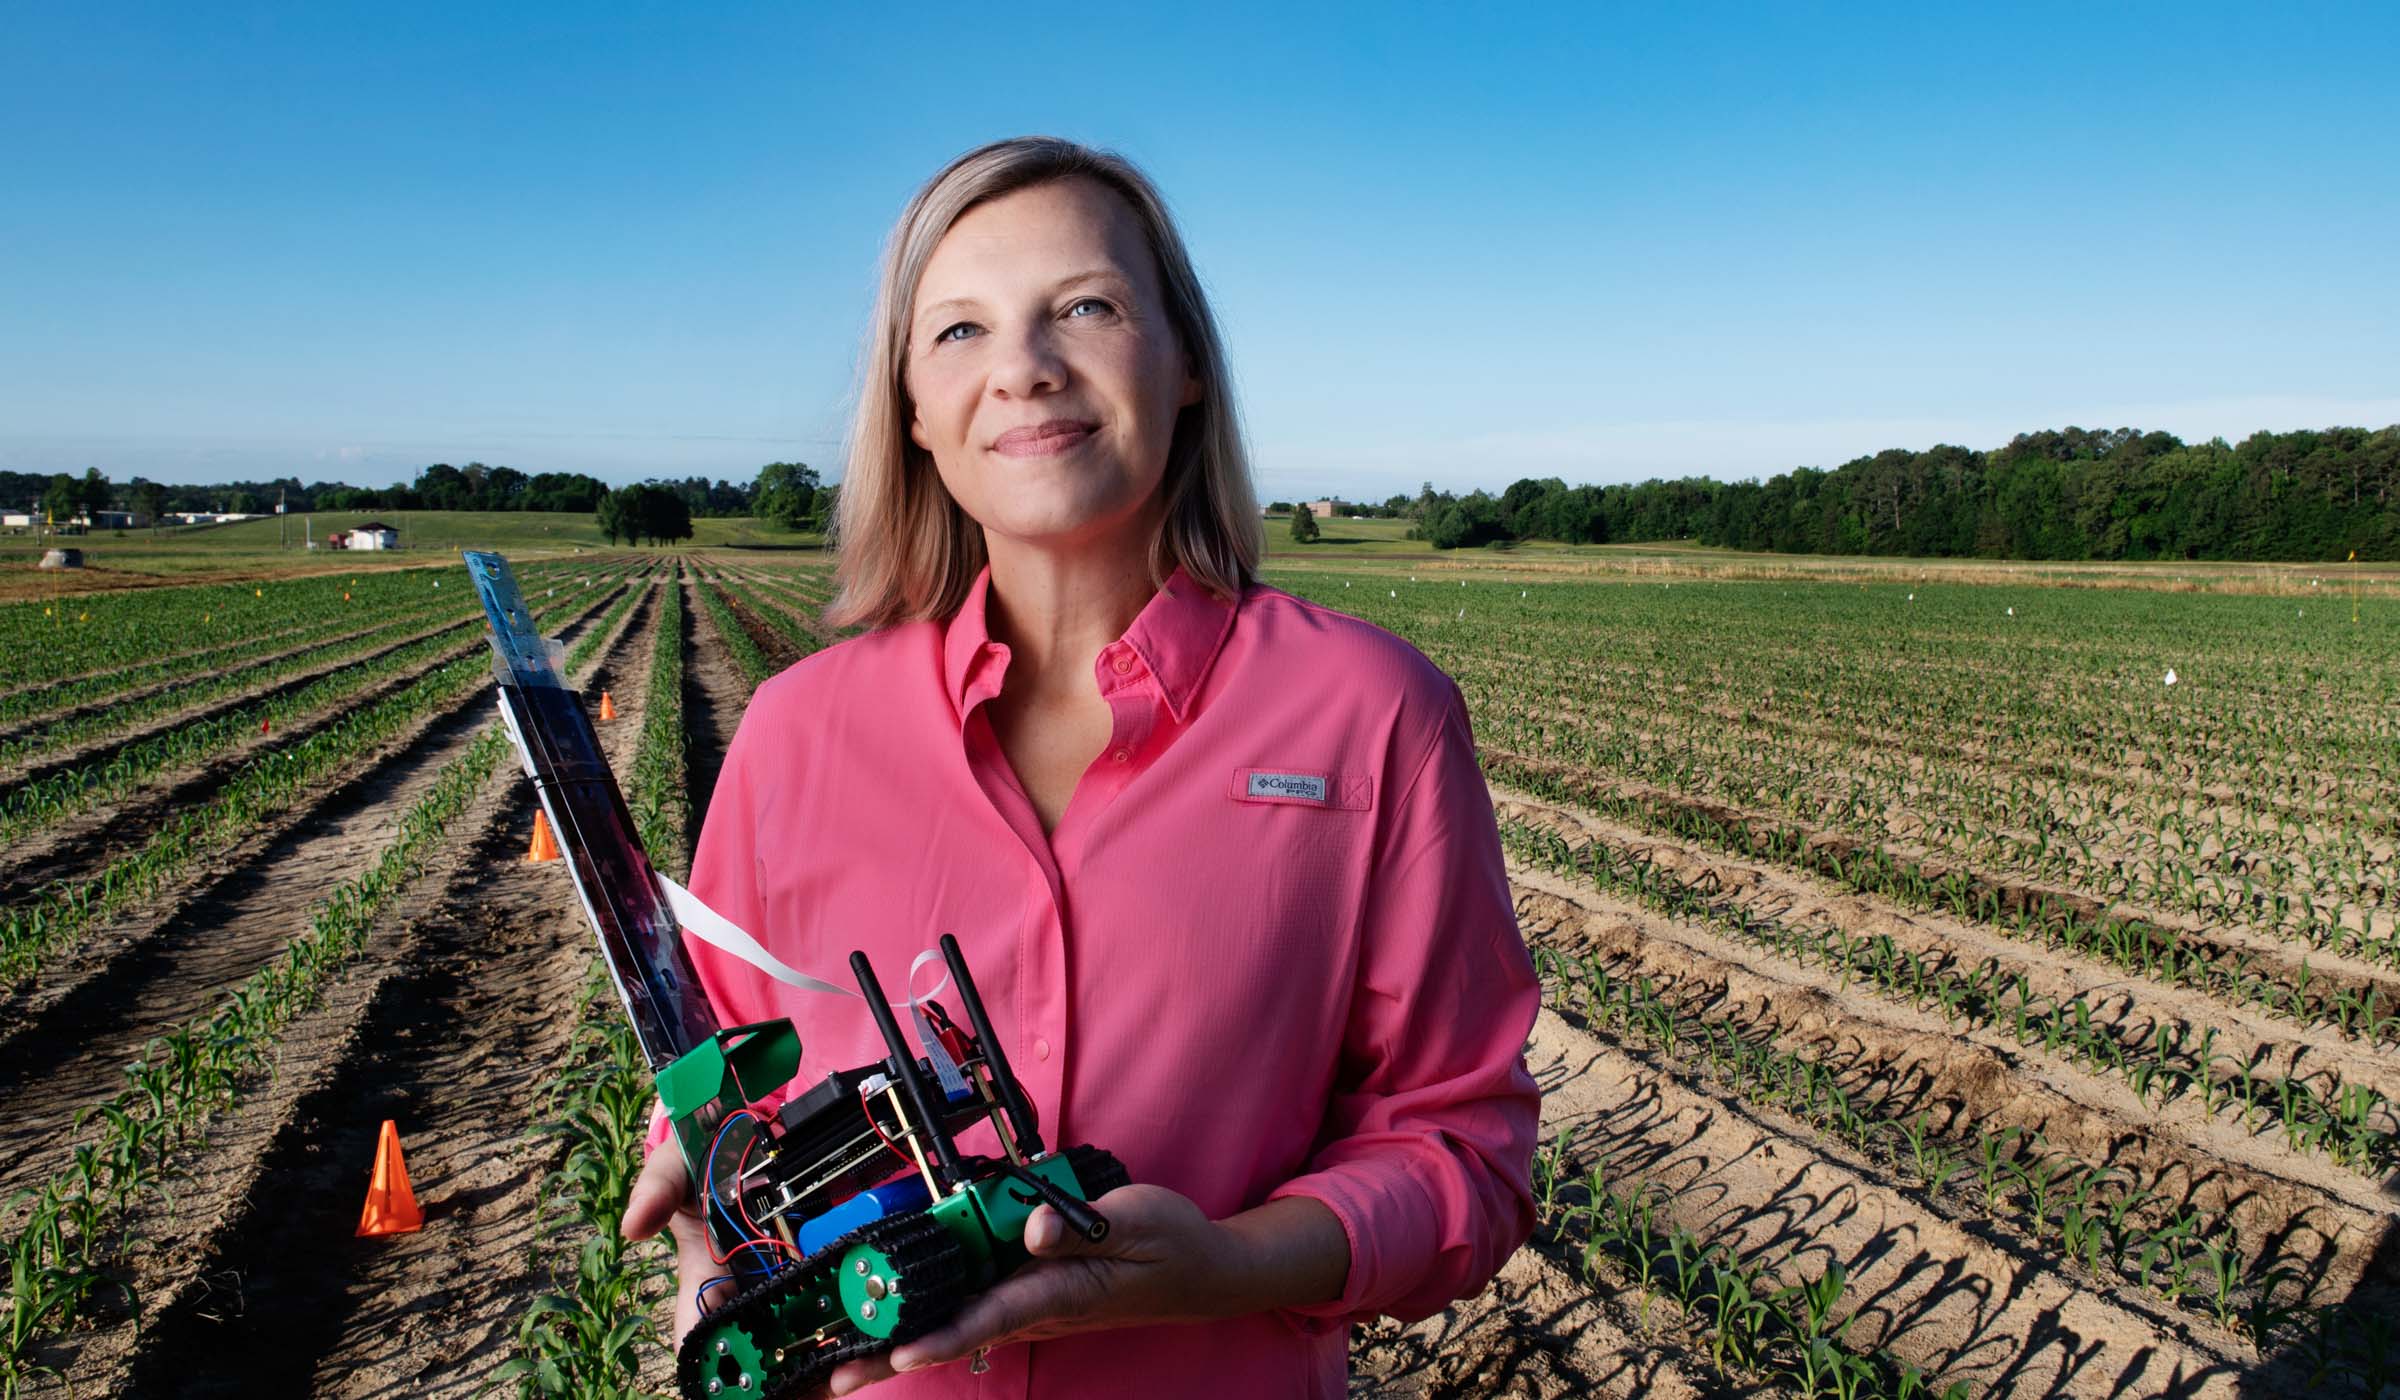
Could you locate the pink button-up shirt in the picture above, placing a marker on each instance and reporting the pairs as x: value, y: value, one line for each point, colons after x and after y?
x: 1269, y: 950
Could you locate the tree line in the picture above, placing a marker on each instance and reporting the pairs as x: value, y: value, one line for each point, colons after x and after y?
x: 2055, y: 494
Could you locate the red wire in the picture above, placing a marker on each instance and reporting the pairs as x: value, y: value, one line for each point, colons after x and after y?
x: 744, y: 1206
x: 867, y: 1107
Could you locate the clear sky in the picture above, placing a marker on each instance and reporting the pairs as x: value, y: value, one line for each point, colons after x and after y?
x: 1462, y: 243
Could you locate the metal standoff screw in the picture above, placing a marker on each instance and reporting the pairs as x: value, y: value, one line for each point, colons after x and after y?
x: 714, y: 1386
x: 867, y: 1309
x: 745, y: 1385
x: 862, y: 1268
x: 876, y: 1287
x: 720, y: 1346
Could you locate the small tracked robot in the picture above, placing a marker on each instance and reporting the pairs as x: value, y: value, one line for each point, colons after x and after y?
x: 849, y: 1221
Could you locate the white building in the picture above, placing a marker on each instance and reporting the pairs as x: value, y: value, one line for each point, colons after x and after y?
x: 372, y: 535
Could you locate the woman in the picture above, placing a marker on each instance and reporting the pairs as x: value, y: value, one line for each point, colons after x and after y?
x: 1221, y: 859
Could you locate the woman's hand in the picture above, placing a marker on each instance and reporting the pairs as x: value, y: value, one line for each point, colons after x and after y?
x: 1164, y: 1261
x: 662, y: 1197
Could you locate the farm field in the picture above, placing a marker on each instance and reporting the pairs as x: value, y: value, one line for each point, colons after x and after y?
x: 1939, y: 999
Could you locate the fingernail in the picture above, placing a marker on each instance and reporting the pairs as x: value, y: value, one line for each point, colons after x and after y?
x: 904, y: 1361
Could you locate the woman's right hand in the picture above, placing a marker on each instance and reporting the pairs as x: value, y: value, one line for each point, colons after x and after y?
x: 662, y: 1198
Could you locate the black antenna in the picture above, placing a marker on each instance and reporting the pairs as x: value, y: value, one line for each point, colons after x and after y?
x: 1021, y: 1121
x: 903, y: 1065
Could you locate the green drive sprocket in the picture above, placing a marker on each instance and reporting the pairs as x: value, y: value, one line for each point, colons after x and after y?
x: 817, y: 1308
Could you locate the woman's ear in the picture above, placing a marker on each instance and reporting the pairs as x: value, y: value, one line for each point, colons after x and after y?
x: 916, y: 431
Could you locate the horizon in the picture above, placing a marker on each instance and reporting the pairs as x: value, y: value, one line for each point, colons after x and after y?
x: 1723, y: 243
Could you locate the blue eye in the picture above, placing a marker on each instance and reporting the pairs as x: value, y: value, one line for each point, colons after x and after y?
x: 961, y: 326
x: 1090, y: 301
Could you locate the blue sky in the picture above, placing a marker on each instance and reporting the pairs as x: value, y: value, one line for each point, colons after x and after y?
x: 1460, y: 243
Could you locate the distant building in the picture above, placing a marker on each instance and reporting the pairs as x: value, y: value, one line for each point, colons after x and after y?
x: 115, y: 519
x: 16, y: 519
x: 1323, y: 510
x: 372, y: 535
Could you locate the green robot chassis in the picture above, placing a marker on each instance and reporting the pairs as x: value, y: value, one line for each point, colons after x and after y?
x: 861, y: 1224
x: 895, y: 1277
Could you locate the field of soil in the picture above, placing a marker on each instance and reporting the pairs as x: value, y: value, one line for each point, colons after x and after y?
x: 1934, y: 1005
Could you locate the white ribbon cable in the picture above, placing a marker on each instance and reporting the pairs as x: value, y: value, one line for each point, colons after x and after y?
x: 717, y: 931
x: 945, y: 1069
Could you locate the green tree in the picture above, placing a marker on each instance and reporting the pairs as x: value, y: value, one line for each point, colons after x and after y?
x: 61, y: 498
x: 95, y: 492
x: 786, y: 494
x: 645, y: 512
x: 1304, y: 524
x: 611, y: 515
x: 148, y: 498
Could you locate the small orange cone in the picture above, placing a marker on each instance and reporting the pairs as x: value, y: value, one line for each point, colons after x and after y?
x: 391, y: 1207
x: 608, y: 707
x: 262, y: 726
x: 545, y: 846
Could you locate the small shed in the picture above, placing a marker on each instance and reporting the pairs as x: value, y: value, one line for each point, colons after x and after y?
x: 372, y: 535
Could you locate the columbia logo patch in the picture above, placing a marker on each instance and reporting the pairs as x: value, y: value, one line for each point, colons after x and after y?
x: 1306, y: 787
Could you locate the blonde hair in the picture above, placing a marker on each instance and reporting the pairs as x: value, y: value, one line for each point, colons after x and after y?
x: 907, y: 551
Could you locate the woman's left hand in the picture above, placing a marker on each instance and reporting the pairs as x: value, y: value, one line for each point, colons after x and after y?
x: 1164, y: 1261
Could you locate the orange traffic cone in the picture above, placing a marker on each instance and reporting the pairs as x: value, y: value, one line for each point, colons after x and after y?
x: 391, y: 1207
x: 545, y: 846
x: 608, y: 707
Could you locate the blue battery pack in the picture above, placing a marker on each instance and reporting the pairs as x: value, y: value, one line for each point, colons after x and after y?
x: 895, y: 1197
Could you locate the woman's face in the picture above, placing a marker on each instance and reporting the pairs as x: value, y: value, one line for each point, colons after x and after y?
x: 1043, y: 372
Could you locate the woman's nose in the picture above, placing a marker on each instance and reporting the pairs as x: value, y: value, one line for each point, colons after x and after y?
x: 1027, y: 362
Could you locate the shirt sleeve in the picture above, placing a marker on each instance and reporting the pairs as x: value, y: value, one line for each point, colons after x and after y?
x: 1429, y: 1138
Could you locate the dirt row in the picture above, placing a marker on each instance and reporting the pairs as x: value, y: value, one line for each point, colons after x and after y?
x: 1935, y: 1292
x: 2244, y: 1033
x: 106, y: 703
x: 417, y: 626
x: 2268, y: 957
x: 91, y: 1011
x: 89, y: 839
x: 446, y: 1023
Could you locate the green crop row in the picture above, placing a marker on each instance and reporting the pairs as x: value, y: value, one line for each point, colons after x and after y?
x: 84, y: 635
x: 210, y: 674
x: 39, y: 804
x: 65, y: 1257
x: 746, y: 655
x: 1755, y: 1329
x: 2256, y: 789
x: 2091, y: 1215
x: 2168, y: 956
x: 2345, y: 1122
x: 106, y: 695
x: 273, y: 781
x: 778, y: 615
x: 585, y: 1341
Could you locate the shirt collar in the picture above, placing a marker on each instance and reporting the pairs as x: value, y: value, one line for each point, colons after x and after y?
x: 1176, y: 638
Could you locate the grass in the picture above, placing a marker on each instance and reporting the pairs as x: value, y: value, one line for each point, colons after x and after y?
x: 258, y: 548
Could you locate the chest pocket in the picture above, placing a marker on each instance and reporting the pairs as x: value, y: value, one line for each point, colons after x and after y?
x: 1303, y: 787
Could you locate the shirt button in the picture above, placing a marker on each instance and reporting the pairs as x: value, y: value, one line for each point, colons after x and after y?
x: 1121, y: 755
x: 1123, y: 665
x: 1041, y: 1049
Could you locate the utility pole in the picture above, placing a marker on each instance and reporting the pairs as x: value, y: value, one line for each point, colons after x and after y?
x: 283, y: 523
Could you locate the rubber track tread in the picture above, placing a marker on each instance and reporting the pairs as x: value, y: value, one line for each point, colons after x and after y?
x: 918, y: 1244
x: 913, y: 1241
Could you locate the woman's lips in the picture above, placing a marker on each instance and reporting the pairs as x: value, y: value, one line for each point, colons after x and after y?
x: 1045, y: 440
